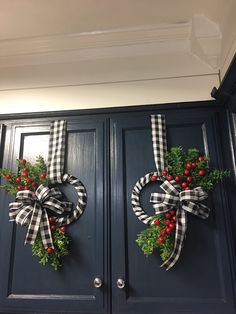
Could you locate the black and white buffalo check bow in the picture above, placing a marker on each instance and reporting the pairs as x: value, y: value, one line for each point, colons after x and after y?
x: 183, y: 201
x: 30, y: 209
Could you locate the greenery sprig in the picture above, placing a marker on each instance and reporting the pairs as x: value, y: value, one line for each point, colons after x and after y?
x: 53, y: 256
x: 189, y: 169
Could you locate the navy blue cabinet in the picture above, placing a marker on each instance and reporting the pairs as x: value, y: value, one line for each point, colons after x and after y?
x: 109, y: 151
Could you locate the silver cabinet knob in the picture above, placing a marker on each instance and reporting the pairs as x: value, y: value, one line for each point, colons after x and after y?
x: 97, y: 282
x: 120, y: 283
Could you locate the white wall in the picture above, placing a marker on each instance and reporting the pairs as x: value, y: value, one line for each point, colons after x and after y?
x: 108, y: 95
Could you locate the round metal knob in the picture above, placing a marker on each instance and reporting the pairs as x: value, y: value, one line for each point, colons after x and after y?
x: 97, y: 282
x: 120, y: 283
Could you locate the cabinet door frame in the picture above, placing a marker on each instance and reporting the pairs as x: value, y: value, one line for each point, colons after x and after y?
x: 98, y: 302
x: 122, y: 303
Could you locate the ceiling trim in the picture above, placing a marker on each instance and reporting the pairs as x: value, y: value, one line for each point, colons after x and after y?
x: 136, y: 41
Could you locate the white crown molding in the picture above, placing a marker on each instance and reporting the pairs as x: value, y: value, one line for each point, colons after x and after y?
x: 200, y: 37
x: 150, y: 52
x: 126, y: 42
x: 98, y: 39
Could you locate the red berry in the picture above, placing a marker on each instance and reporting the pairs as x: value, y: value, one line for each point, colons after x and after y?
x: 49, y: 250
x: 189, y: 165
x: 154, y: 178
x: 168, y: 230
x: 28, y: 180
x: 174, y: 218
x: 22, y: 161
x: 19, y: 187
x: 8, y: 176
x: 172, y: 212
x: 200, y: 158
x: 161, y: 240
x: 167, y: 222
x: 177, y: 178
x: 63, y: 228
x: 201, y: 172
x: 184, y: 184
x: 18, y: 180
x: 193, y: 164
x: 169, y: 178
x: 33, y: 184
x: 26, y: 188
x: 25, y: 174
x: 163, y: 232
x: 189, y: 179
x: 53, y: 227
x: 171, y: 226
x: 25, y: 169
x: 156, y: 222
x: 187, y: 188
x: 52, y: 219
x: 164, y: 172
x: 42, y: 176
x: 168, y: 215
x: 186, y: 172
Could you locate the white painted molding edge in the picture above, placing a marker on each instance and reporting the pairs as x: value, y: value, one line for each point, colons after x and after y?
x: 163, y: 39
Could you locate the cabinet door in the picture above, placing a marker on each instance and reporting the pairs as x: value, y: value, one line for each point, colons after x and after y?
x: 200, y: 282
x: 27, y: 286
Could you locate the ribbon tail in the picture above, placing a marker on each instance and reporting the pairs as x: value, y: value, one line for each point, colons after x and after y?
x: 181, y: 228
x: 34, y: 224
x: 45, y: 231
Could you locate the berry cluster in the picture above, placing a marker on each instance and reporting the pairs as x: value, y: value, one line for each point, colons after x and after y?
x: 169, y: 225
x: 187, y: 177
x: 29, y: 176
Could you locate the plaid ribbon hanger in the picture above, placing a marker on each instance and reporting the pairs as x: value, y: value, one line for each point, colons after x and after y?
x: 30, y: 209
x: 159, y: 150
x: 182, y: 201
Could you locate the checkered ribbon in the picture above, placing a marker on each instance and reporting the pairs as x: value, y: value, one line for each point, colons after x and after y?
x: 184, y: 201
x: 56, y: 152
x: 30, y: 209
x: 81, y: 204
x: 159, y: 141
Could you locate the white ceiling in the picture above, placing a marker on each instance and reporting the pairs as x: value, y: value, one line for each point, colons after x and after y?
x: 29, y: 18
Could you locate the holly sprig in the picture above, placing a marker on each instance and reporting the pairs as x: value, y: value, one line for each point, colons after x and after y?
x: 189, y: 169
x: 61, y: 243
x: 28, y: 177
x: 159, y: 235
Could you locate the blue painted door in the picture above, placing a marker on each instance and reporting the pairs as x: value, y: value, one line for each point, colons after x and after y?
x: 26, y: 286
x: 201, y: 281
